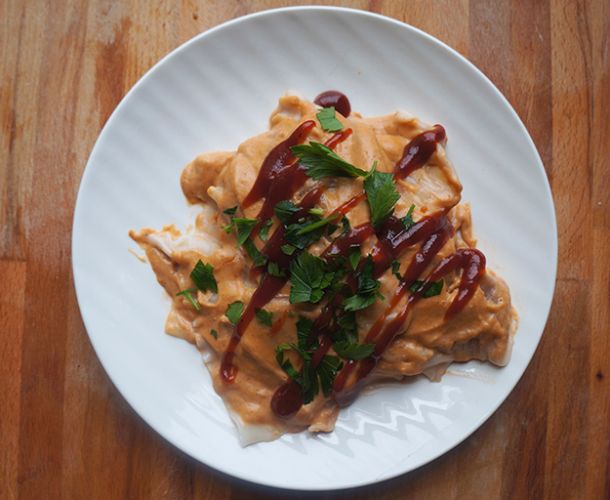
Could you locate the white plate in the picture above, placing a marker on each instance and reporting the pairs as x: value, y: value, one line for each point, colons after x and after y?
x: 212, y: 93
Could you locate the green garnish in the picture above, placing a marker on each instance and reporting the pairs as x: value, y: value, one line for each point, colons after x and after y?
x: 244, y: 228
x: 288, y: 249
x: 396, y: 269
x: 327, y: 371
x: 258, y: 259
x: 345, y: 225
x: 328, y: 120
x: 263, y: 234
x: 203, y: 277
x: 354, y: 257
x: 230, y: 211
x: 285, y: 210
x: 309, y: 379
x: 264, y: 317
x: 434, y: 288
x: 407, y: 220
x: 304, y: 326
x: 321, y: 161
x: 308, y: 278
x: 214, y: 333
x: 368, y: 289
x: 381, y: 194
x: 285, y: 364
x: 234, y: 312
x: 274, y: 270
x: 316, y: 211
x: 312, y: 226
x: 189, y: 296
x: 352, y: 350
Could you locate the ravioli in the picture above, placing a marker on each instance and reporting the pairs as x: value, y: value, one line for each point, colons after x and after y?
x: 324, y: 301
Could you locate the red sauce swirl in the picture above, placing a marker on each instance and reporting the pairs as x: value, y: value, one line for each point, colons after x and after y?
x: 336, y: 99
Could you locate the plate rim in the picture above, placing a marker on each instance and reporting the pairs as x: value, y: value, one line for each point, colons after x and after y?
x: 473, y: 425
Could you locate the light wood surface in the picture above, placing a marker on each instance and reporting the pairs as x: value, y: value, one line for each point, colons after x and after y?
x: 64, y: 429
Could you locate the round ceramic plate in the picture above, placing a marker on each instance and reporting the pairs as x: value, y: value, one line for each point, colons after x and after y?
x: 212, y: 93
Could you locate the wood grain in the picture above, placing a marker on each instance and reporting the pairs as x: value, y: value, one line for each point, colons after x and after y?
x: 64, y: 429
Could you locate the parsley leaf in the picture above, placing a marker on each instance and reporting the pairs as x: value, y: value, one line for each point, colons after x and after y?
x: 308, y: 279
x: 349, y: 350
x: 407, y: 220
x: 345, y: 225
x: 348, y: 328
x: 244, y: 228
x: 354, y: 257
x: 316, y: 211
x: 189, y: 296
x: 328, y: 120
x: 203, y: 277
x: 263, y: 234
x: 367, y: 290
x: 264, y: 317
x: 230, y: 211
x: 285, y: 210
x: 288, y: 249
x: 234, y: 312
x: 312, y: 226
x: 214, y: 333
x: 381, y: 194
x: 304, y: 326
x: 258, y: 259
x: 396, y: 269
x: 321, y: 161
x: 285, y: 364
x: 274, y: 270
x: 434, y: 288
x: 327, y: 370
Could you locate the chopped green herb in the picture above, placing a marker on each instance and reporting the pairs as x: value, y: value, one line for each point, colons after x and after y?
x: 352, y: 350
x: 288, y: 249
x: 230, y: 211
x: 382, y: 195
x: 407, y: 220
x: 264, y: 231
x: 304, y: 326
x: 304, y: 233
x: 348, y: 328
x: 312, y: 226
x: 346, y: 227
x: 285, y: 364
x: 244, y: 228
x: 258, y: 259
x: 367, y: 289
x: 309, y: 379
x: 285, y: 210
x: 327, y: 371
x: 434, y: 288
x: 203, y: 277
x: 316, y: 211
x: 264, y: 317
x: 354, y: 257
x: 274, y: 270
x: 328, y: 120
x: 308, y: 279
x: 321, y: 161
x: 228, y: 228
x: 234, y: 312
x: 358, y: 302
x: 188, y: 294
x: 214, y: 333
x: 396, y: 269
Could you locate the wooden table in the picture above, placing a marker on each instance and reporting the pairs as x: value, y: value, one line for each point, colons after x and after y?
x: 64, y: 429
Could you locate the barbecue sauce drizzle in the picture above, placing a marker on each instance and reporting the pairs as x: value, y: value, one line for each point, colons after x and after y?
x: 279, y: 178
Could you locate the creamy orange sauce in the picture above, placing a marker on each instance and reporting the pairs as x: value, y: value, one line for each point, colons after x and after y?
x: 216, y: 181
